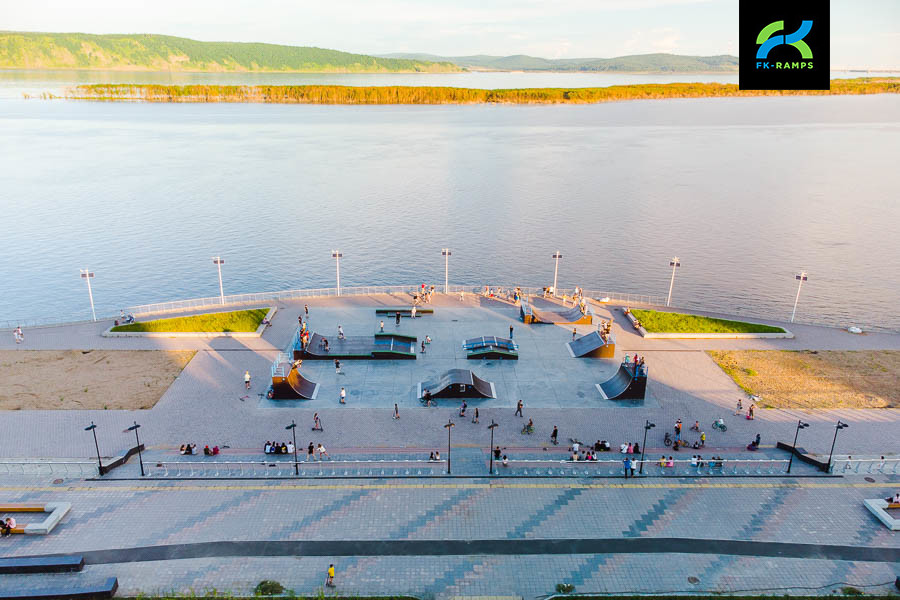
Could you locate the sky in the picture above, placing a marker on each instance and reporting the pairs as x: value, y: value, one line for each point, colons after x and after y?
x: 864, y: 33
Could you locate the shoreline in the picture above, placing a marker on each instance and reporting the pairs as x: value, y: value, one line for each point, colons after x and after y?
x: 373, y: 95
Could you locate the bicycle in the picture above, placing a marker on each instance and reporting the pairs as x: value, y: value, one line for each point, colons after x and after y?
x: 720, y: 426
x: 527, y: 430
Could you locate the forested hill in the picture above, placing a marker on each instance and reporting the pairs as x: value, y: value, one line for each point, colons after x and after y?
x: 147, y: 52
x: 637, y: 63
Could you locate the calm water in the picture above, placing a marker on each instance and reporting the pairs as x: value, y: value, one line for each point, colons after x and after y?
x: 16, y: 83
x: 744, y: 191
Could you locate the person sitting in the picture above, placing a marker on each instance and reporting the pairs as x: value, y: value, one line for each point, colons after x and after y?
x: 431, y: 457
x: 284, y: 448
x: 437, y: 456
x: 207, y: 451
x: 497, y: 452
x: 183, y: 449
x: 192, y: 449
x: 505, y: 461
x: 894, y: 500
x: 670, y: 463
x: 268, y: 447
x: 637, y: 448
x: 7, y: 526
x: 630, y: 449
x: 290, y: 447
x: 604, y: 446
x: 699, y: 461
x: 427, y: 339
x: 623, y: 448
x: 756, y: 441
x: 662, y: 461
x: 695, y: 426
x: 575, y: 456
x: 215, y: 451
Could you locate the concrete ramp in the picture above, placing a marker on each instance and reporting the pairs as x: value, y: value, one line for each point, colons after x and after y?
x: 569, y: 316
x: 293, y: 386
x: 458, y: 383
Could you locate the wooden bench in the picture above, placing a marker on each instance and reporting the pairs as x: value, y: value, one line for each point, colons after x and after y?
x: 20, y: 508
x: 41, y: 564
x: 893, y: 505
x: 55, y: 513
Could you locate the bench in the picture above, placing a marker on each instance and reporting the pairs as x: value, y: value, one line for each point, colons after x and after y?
x: 44, y: 564
x: 893, y: 505
x: 57, y: 511
x: 879, y: 508
x: 105, y: 589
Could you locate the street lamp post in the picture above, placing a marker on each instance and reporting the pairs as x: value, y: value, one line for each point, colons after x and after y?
x: 647, y: 427
x: 450, y: 424
x: 93, y: 429
x: 219, y: 261
x: 674, y: 263
x: 840, y: 425
x: 87, y: 276
x: 445, y: 252
x: 801, y: 277
x: 492, y: 427
x: 556, y: 256
x: 336, y: 255
x: 293, y: 428
x: 137, y: 439
x: 800, y: 425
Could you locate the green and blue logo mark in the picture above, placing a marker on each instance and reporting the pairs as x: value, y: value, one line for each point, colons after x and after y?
x: 777, y: 41
x: 767, y: 40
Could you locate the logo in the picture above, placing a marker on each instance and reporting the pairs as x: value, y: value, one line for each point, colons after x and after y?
x: 778, y: 54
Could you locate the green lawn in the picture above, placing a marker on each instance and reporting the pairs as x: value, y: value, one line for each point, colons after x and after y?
x: 667, y: 322
x: 220, y: 322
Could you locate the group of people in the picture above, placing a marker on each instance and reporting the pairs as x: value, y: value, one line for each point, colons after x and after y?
x: 188, y: 449
x: 424, y: 295
x: 714, y: 462
x: 316, y: 452
x: 123, y: 319
x: 462, y: 410
x: 7, y: 525
x: 18, y: 335
x: 636, y: 363
x: 498, y: 455
x: 435, y: 456
x: 276, y: 448
x: 214, y: 451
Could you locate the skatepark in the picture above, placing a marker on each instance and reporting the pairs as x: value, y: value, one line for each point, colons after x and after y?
x: 378, y: 484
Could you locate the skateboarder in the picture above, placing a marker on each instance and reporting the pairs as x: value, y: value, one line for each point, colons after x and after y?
x: 337, y: 367
x: 343, y: 396
x: 510, y: 332
x: 247, y: 379
x: 398, y: 319
x: 340, y: 332
x: 317, y: 425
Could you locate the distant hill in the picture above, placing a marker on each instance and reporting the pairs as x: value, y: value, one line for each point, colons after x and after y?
x: 148, y: 52
x: 647, y: 63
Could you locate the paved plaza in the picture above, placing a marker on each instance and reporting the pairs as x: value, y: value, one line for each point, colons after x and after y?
x: 175, y: 530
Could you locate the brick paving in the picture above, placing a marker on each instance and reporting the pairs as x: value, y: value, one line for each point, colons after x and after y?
x: 208, y: 405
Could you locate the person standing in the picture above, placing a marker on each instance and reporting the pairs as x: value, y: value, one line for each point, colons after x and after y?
x: 627, y: 463
x: 343, y: 396
x: 412, y: 312
x: 247, y: 379
x: 322, y: 452
x: 398, y: 319
x: 553, y: 436
x: 340, y: 332
x: 381, y: 325
x: 423, y: 346
x: 574, y: 333
x: 317, y: 425
x: 510, y: 332
x: 519, y: 405
x: 300, y: 321
x: 337, y: 367
x: 310, y: 453
x: 306, y: 310
x: 329, y: 581
x: 396, y: 411
x: 740, y: 407
x: 475, y: 416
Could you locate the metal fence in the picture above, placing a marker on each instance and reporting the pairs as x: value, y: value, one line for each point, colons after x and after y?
x: 36, y: 467
x: 681, y: 468
x: 865, y: 465
x: 285, y: 468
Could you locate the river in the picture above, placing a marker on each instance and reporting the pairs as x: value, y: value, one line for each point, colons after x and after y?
x: 745, y: 191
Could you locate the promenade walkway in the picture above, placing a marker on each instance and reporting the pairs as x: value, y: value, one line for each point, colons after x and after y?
x: 153, y: 527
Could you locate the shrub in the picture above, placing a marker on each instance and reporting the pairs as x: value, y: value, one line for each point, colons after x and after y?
x: 267, y: 587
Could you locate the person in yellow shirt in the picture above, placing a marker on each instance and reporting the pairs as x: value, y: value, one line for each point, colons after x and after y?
x: 330, y: 581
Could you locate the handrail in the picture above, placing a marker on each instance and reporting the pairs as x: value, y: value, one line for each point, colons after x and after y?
x: 48, y: 467
x: 875, y: 465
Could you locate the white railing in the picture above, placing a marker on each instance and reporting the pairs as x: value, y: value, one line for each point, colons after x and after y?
x: 285, y: 468
x: 681, y: 467
x: 851, y: 465
x: 55, y: 467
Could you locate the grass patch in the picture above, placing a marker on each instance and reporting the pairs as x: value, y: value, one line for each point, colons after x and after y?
x: 220, y: 322
x: 815, y: 378
x: 668, y: 322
